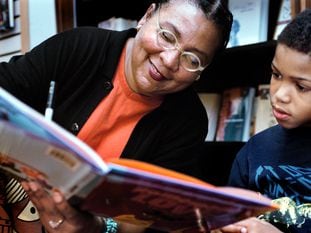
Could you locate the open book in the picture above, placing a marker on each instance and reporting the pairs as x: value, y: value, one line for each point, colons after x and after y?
x: 32, y: 147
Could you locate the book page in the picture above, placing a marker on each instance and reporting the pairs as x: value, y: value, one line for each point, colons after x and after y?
x: 32, y: 147
x: 20, y: 115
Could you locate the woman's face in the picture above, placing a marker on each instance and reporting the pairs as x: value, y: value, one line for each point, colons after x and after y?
x: 151, y: 69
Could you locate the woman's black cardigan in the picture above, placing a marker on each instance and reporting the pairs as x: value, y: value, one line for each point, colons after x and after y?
x: 82, y: 61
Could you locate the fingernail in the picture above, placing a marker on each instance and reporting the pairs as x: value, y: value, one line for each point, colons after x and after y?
x: 57, y: 197
x: 243, y: 230
x: 33, y: 186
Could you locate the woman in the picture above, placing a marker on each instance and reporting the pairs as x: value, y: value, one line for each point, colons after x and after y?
x: 126, y: 94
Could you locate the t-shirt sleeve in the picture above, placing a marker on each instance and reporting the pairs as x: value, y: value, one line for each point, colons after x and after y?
x: 239, y: 175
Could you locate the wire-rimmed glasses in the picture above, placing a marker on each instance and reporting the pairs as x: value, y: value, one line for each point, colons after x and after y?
x: 167, y: 40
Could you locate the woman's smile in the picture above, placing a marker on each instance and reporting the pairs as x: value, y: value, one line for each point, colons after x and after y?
x: 155, y: 74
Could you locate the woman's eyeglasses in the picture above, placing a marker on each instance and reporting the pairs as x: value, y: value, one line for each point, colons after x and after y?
x: 167, y: 40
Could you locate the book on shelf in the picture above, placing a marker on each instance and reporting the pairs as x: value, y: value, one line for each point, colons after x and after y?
x: 263, y: 116
x: 235, y: 114
x: 32, y: 147
x: 6, y: 15
x: 250, y: 21
x: 211, y: 102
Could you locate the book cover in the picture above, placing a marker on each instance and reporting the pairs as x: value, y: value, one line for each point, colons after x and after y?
x: 263, y: 112
x: 211, y: 102
x: 32, y: 147
x: 235, y: 114
x: 250, y: 21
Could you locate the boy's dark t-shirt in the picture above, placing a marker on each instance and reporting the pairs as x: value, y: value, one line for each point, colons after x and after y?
x: 277, y: 163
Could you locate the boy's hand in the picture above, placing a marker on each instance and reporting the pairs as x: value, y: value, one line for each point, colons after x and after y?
x: 250, y: 225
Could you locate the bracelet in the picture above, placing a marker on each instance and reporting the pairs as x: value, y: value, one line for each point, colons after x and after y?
x: 111, y: 226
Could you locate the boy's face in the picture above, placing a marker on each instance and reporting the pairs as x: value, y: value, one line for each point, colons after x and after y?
x: 290, y: 88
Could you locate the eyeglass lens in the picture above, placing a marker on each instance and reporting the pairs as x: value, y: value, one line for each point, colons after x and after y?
x: 168, y: 40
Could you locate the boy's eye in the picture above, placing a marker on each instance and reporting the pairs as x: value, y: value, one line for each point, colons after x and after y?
x: 276, y: 75
x: 302, y: 88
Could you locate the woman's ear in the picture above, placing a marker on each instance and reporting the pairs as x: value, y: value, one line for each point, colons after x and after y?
x: 150, y: 11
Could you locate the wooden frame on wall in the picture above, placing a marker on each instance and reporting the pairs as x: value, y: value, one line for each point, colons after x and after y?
x: 305, y: 4
x: 25, y: 25
x: 64, y: 14
x: 295, y: 7
x: 298, y: 6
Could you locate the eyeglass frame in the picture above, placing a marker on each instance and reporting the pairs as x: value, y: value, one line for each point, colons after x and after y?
x: 176, y: 45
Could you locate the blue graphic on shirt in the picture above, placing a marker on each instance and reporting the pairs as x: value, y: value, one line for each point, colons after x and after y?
x: 291, y: 182
x: 285, y: 181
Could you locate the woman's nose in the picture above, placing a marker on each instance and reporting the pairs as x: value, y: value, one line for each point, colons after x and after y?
x: 171, y: 58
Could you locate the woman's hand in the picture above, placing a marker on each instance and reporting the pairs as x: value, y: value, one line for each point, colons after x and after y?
x: 250, y: 225
x: 57, y: 215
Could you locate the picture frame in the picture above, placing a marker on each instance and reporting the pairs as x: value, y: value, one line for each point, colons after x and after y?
x: 250, y: 22
x: 6, y: 15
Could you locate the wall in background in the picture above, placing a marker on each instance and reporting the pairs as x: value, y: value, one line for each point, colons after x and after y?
x: 35, y: 21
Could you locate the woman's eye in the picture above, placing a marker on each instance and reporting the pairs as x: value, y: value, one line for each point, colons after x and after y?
x: 168, y: 37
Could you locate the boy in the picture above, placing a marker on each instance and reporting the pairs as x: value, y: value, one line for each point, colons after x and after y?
x: 277, y: 161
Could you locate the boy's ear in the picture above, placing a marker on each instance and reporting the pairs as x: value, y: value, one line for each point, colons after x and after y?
x: 148, y: 14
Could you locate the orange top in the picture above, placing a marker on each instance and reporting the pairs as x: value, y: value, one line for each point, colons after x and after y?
x: 112, y: 122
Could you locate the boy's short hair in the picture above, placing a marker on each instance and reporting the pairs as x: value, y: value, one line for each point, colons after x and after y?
x: 297, y: 34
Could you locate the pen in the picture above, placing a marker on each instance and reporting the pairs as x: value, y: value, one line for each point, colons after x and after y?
x: 49, y: 108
